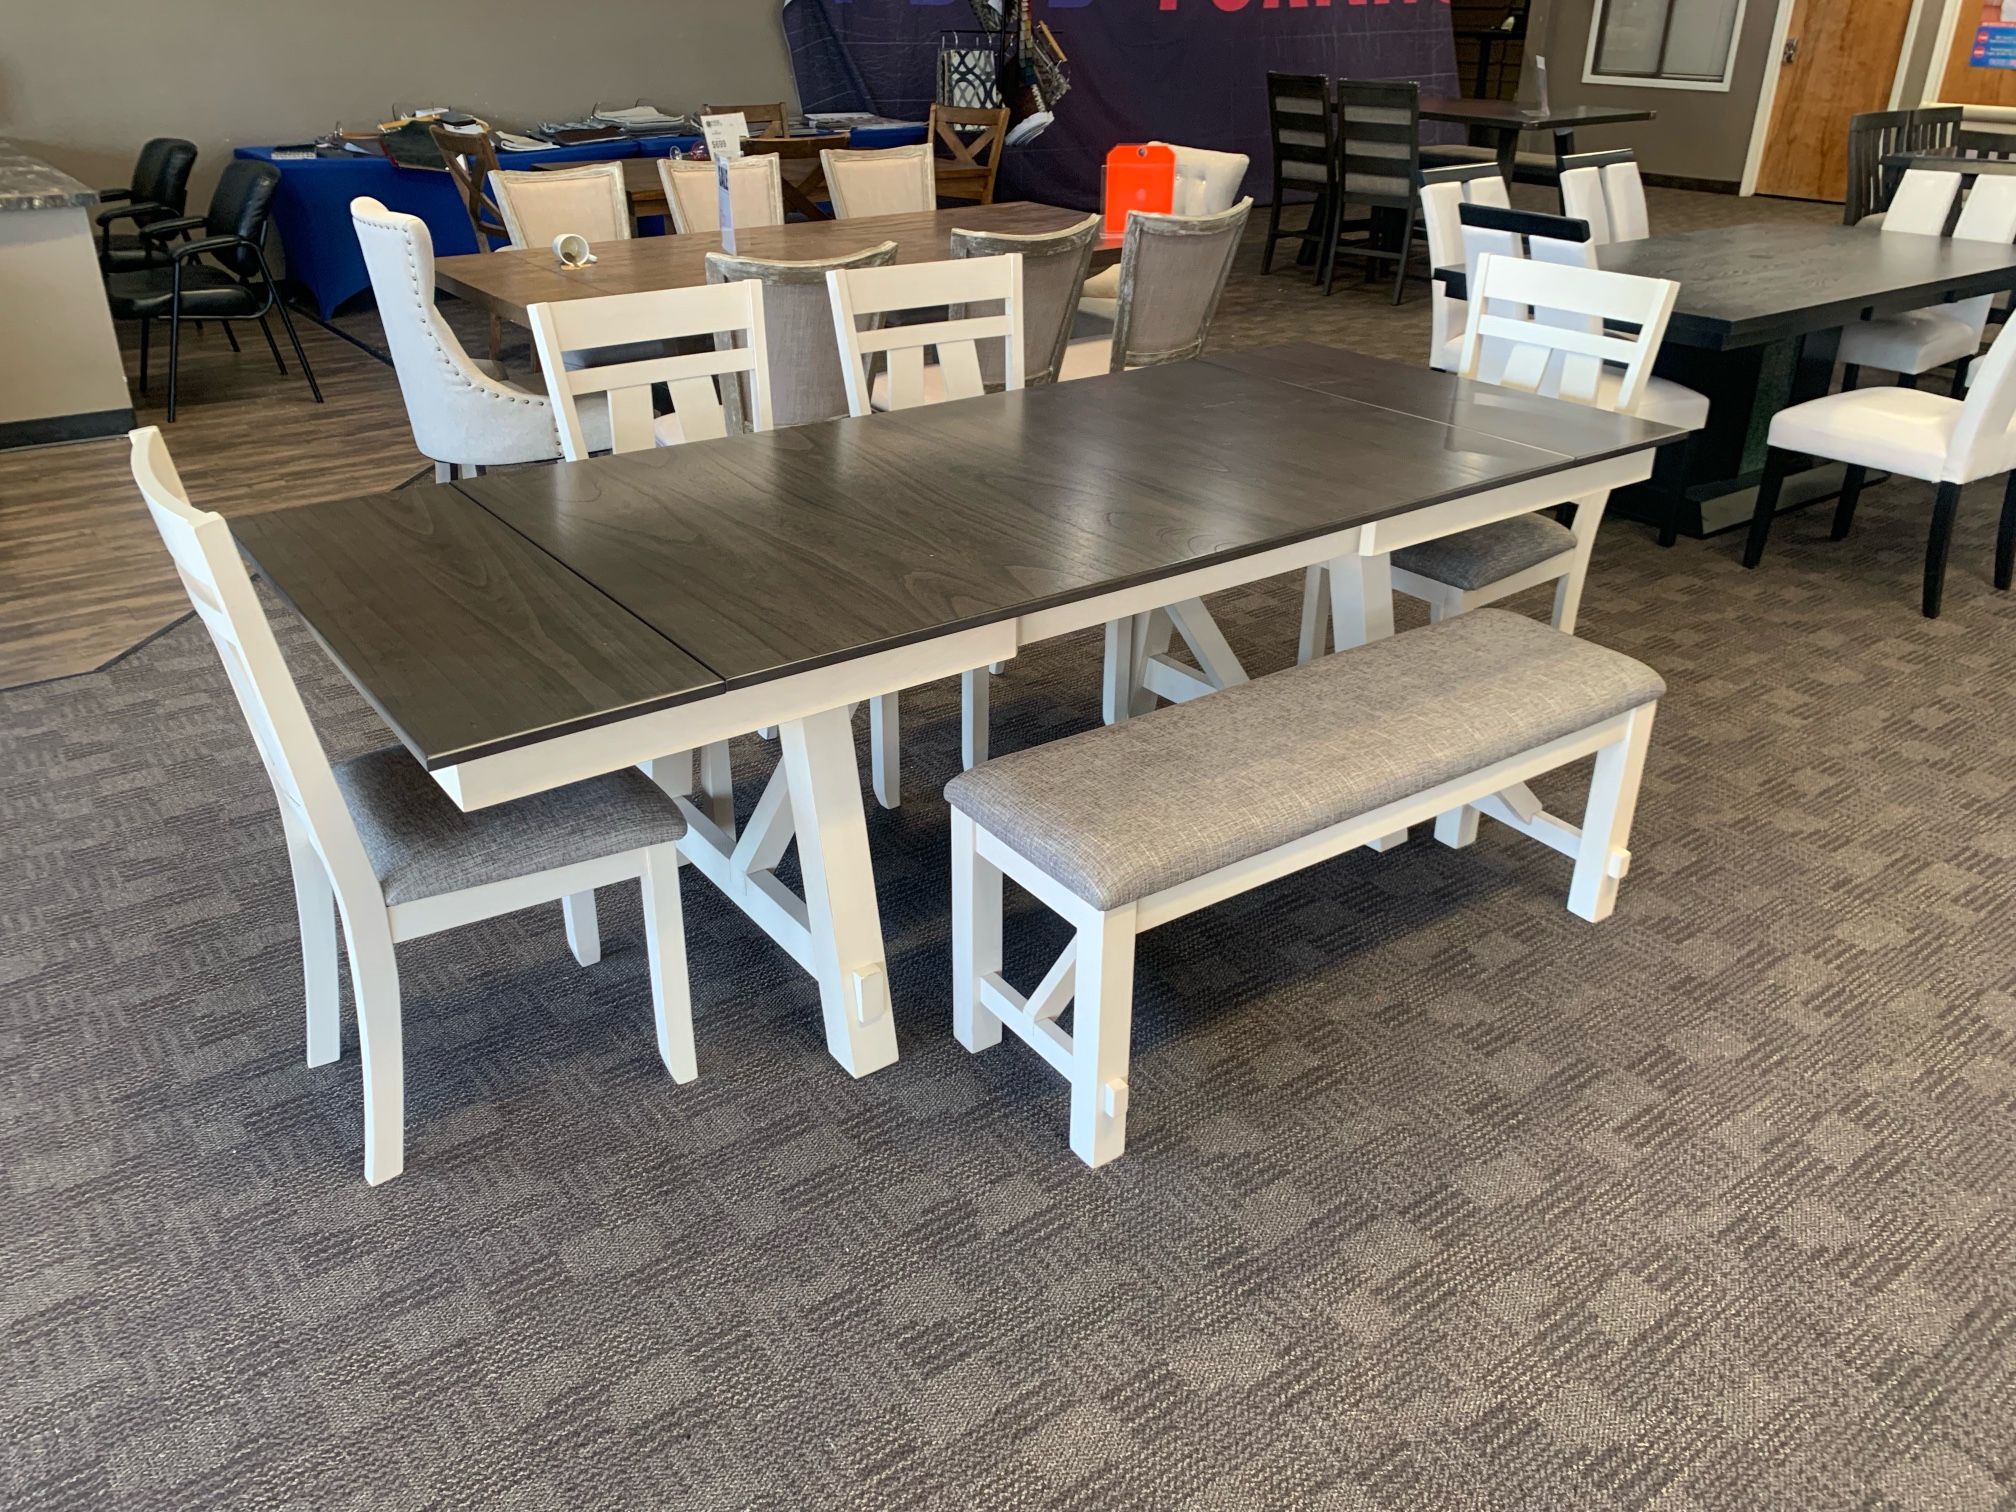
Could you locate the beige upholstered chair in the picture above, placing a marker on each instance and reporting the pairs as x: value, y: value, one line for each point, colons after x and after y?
x: 1053, y: 272
x: 880, y: 181
x: 1172, y: 270
x: 807, y: 382
x: 755, y: 186
x: 588, y: 201
x: 1207, y: 183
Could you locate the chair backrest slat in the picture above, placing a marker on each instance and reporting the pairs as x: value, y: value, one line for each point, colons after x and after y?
x: 693, y: 194
x: 963, y: 282
x: 588, y: 201
x: 730, y: 315
x: 880, y: 181
x: 1054, y: 265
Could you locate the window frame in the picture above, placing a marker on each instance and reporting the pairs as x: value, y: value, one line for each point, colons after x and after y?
x: 1591, y: 74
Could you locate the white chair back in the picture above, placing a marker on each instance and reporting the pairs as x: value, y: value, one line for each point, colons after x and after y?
x: 458, y: 412
x: 1989, y: 215
x: 586, y: 328
x: 220, y: 591
x: 1582, y: 198
x: 880, y: 181
x: 868, y: 292
x: 1624, y: 193
x: 1442, y: 200
x: 1560, y: 348
x: 755, y: 193
x: 1922, y: 203
x: 1605, y: 189
x: 1207, y: 182
x: 588, y: 201
x: 1981, y: 443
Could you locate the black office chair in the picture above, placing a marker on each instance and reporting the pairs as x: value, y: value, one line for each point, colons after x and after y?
x: 158, y: 192
x: 236, y: 285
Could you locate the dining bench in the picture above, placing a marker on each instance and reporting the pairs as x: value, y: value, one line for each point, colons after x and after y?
x: 1134, y: 825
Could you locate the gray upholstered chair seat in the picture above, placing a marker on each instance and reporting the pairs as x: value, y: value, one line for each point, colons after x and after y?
x: 1121, y: 813
x: 1472, y: 558
x: 421, y: 845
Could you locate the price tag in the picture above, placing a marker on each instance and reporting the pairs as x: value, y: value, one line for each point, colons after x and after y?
x: 724, y: 134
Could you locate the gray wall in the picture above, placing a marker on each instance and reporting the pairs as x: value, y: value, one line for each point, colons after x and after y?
x: 1698, y: 135
x: 84, y: 82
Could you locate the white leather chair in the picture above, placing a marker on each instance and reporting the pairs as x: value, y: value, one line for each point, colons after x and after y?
x: 573, y: 335
x: 1914, y: 434
x: 1917, y: 341
x: 589, y: 201
x: 1604, y: 189
x: 880, y: 181
x: 375, y: 839
x: 1207, y: 183
x: 464, y: 412
x: 692, y: 193
x: 1443, y: 192
x: 864, y: 294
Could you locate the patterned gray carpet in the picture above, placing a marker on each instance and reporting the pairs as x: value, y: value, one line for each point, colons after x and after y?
x: 1436, y: 1197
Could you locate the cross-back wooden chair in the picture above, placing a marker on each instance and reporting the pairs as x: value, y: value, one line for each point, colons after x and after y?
x: 968, y: 145
x: 801, y: 162
x: 570, y: 334
x: 764, y: 120
x: 471, y: 157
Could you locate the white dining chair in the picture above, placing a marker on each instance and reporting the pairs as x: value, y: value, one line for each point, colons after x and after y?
x: 1172, y: 270
x: 646, y: 331
x: 1444, y: 191
x: 693, y: 195
x: 1544, y: 327
x: 1605, y: 189
x: 880, y: 181
x: 1911, y: 433
x: 1207, y: 183
x: 1914, y: 342
x: 589, y: 201
x: 861, y: 298
x: 465, y: 414
x: 375, y: 840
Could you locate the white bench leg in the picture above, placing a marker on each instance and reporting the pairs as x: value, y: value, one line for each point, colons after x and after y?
x: 315, y: 904
x: 976, y: 937
x: 1457, y: 828
x: 885, y: 742
x: 973, y: 691
x: 584, y: 930
x: 717, y: 785
x: 374, y: 979
x: 1116, y: 694
x: 665, y: 943
x: 1315, y: 615
x: 1102, y: 1020
x: 1361, y: 599
x: 1606, y: 824
x: 1152, y: 633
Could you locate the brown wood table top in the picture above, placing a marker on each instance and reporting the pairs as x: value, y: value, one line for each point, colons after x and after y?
x: 1508, y: 115
x: 1746, y: 285
x: 505, y: 283
x: 526, y: 603
x: 640, y: 182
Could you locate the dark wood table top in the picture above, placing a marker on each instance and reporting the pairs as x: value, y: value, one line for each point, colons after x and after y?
x: 1508, y: 115
x: 1745, y: 285
x: 506, y: 282
x: 526, y: 603
x: 1937, y: 163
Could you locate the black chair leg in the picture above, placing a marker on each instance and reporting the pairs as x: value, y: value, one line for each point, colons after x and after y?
x: 1406, y: 250
x: 2005, y: 535
x: 272, y: 345
x: 1851, y: 495
x: 1959, y: 389
x: 1273, y: 232
x: 294, y: 340
x: 1776, y: 465
x: 230, y: 335
x: 174, y: 356
x: 146, y: 326
x: 1849, y: 375
x: 1944, y: 508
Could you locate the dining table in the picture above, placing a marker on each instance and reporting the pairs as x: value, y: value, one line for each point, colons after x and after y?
x: 534, y: 627
x: 1498, y: 124
x: 1756, y: 326
x: 506, y: 283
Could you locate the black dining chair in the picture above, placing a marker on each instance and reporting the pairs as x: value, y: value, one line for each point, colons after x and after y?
x: 1303, y: 129
x: 158, y: 191
x: 234, y: 284
x: 1378, y: 166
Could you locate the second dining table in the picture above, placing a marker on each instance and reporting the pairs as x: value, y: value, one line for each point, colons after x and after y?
x: 535, y: 627
x: 506, y: 283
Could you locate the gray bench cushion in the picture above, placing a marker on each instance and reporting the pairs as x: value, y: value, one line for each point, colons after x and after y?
x: 1119, y: 813
x: 1472, y: 558
x: 421, y: 845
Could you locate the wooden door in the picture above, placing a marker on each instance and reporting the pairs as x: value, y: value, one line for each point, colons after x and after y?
x: 1842, y: 56
x: 1962, y: 83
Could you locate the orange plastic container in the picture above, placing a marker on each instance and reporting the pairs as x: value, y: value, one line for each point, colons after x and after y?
x: 1139, y: 176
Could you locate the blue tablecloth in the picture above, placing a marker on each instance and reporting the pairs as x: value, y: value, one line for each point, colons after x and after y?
x: 312, y: 209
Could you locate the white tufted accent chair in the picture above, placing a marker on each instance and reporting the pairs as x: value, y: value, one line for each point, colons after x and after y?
x: 464, y: 412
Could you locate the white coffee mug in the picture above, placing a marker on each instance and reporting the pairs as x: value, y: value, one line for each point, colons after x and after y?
x: 572, y: 251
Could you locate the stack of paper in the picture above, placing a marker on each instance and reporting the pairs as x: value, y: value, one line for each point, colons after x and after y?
x: 642, y: 120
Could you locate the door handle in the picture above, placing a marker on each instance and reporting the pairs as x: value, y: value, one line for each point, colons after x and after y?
x: 1791, y: 51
